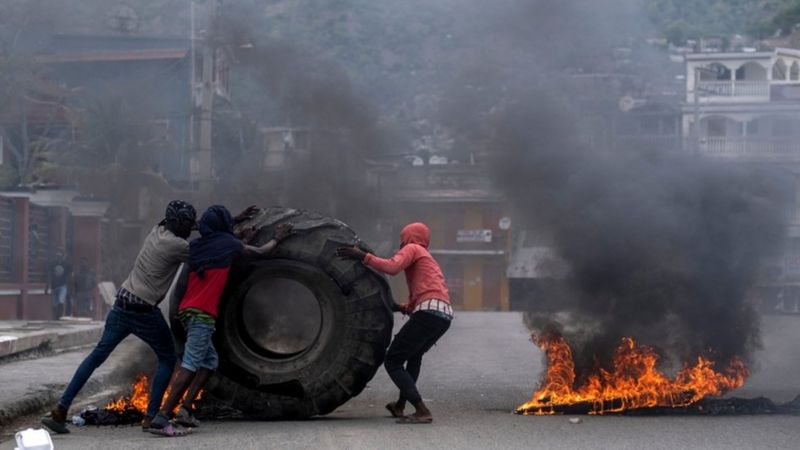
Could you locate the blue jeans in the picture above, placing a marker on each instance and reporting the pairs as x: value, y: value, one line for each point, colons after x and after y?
x: 199, y: 352
x: 147, y: 326
x: 58, y: 301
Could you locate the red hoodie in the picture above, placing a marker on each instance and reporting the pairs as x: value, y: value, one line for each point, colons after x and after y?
x: 423, y: 274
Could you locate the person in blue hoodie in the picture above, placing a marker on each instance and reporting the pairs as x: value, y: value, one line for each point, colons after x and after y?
x: 210, y: 259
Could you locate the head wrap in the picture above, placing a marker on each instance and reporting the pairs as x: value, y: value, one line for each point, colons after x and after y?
x: 179, y: 212
x: 217, y: 246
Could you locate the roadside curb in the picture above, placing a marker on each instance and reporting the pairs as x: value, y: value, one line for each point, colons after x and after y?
x: 40, y: 400
x: 24, y: 336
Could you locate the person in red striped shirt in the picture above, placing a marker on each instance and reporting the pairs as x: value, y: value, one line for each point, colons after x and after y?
x: 428, y: 307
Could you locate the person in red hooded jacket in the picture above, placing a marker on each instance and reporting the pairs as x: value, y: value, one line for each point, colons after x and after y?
x: 428, y: 306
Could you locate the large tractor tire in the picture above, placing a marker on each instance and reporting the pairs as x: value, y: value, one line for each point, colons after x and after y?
x: 301, y: 332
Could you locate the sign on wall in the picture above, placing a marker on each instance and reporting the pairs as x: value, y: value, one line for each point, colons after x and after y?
x: 504, y: 223
x: 483, y: 235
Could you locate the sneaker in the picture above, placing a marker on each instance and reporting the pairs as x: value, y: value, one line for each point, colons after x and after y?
x: 186, y: 419
x: 57, y: 420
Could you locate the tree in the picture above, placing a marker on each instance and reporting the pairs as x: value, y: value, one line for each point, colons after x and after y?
x: 784, y: 21
x: 21, y: 83
x: 692, y: 19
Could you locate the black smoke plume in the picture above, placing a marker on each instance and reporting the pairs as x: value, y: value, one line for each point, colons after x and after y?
x: 660, y: 246
x: 282, y: 85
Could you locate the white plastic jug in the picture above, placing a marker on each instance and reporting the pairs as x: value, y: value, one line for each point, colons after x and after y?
x: 31, y: 439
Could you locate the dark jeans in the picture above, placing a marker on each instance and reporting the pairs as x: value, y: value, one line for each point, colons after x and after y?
x: 83, y: 305
x: 410, y: 343
x: 147, y: 326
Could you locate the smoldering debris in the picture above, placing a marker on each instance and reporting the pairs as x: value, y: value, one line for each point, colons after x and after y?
x: 704, y: 407
x: 106, y: 417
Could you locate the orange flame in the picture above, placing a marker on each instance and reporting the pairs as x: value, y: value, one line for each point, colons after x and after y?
x: 140, y: 397
x: 633, y: 382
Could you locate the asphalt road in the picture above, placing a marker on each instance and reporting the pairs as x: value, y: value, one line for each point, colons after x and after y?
x: 484, y: 367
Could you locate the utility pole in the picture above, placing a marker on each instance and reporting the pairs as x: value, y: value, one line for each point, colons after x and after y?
x: 201, y: 166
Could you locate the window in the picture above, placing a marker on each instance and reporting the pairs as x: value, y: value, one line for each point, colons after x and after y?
x: 716, y: 127
x: 669, y: 126
x: 779, y: 70
x: 714, y: 72
x: 626, y: 125
x: 781, y: 127
x: 650, y: 125
x: 751, y: 71
x: 752, y: 127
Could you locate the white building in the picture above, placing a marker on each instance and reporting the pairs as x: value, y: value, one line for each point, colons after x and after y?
x: 747, y: 105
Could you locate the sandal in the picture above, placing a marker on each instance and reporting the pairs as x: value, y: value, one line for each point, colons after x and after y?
x: 186, y: 419
x: 392, y: 408
x: 171, y: 431
x: 412, y: 419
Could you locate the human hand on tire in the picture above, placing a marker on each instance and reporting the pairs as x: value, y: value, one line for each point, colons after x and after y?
x: 283, y: 231
x: 248, y: 213
x: 351, y: 253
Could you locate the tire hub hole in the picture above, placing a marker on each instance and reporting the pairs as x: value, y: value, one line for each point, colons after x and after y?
x: 281, y: 316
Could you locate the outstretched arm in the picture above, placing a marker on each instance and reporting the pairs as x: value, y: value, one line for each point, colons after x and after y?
x: 255, y: 252
x: 392, y: 266
x: 282, y: 231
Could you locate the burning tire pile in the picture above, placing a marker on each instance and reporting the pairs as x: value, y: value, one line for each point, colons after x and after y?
x: 635, y: 386
x: 301, y: 333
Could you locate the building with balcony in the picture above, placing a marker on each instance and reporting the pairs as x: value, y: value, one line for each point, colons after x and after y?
x: 743, y: 105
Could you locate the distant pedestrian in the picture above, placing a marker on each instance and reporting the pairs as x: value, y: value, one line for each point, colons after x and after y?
x: 84, y: 285
x: 136, y: 312
x: 429, y: 308
x: 58, y: 276
x: 210, y: 259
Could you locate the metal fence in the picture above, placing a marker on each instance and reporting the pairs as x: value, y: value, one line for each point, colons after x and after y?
x: 39, y: 250
x: 6, y: 240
